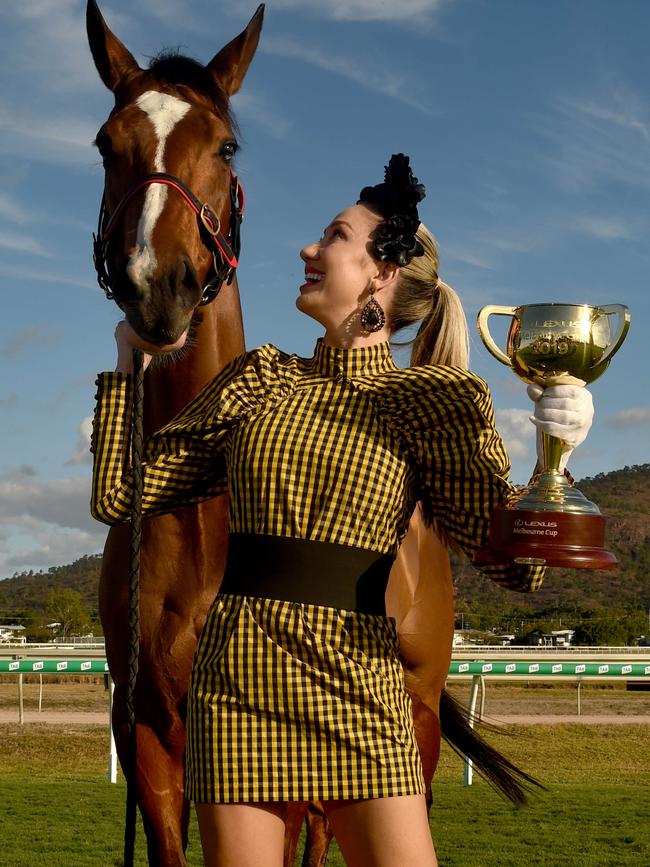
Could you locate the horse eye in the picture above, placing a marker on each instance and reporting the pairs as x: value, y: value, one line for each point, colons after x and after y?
x: 228, y: 151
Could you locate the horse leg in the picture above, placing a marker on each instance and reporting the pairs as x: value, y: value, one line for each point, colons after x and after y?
x: 160, y: 784
x: 319, y: 834
x: 295, y: 816
x: 427, y: 735
x: 161, y: 795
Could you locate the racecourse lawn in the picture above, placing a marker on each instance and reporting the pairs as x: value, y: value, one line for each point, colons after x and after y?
x: 58, y: 810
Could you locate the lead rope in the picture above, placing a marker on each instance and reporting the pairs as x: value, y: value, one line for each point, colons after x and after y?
x: 137, y: 450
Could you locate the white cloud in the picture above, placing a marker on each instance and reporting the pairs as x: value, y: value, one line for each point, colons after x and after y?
x: 468, y: 255
x: 174, y: 14
x: 64, y: 502
x: 257, y: 110
x: 518, y: 241
x: 625, y: 116
x: 14, y: 212
x: 45, y: 277
x: 22, y: 244
x: 594, y: 141
x: 606, y: 228
x: 11, y: 210
x: 46, y: 57
x: 517, y: 432
x: 45, y: 522
x: 21, y: 472
x: 630, y: 418
x: 49, y: 44
x: 46, y: 546
x: 380, y: 79
x: 81, y: 454
x: 417, y: 11
x: 52, y: 139
x: 25, y: 338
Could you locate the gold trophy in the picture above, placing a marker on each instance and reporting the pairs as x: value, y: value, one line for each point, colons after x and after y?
x: 552, y: 523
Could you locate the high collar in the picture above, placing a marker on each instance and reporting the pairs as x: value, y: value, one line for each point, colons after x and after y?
x: 350, y: 363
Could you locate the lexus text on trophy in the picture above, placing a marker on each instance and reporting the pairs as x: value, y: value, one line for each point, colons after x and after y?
x: 551, y: 523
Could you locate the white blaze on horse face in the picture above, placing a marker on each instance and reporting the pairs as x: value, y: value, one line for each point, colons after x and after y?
x: 164, y: 111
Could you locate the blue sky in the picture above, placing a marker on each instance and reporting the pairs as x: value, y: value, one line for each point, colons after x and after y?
x: 528, y: 122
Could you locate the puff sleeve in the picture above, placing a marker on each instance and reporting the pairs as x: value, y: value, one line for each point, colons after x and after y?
x: 184, y: 461
x: 447, y: 419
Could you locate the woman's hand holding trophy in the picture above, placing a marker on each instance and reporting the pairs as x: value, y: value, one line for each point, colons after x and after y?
x: 564, y: 412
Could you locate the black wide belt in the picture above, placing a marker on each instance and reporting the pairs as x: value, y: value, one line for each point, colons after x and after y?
x: 298, y: 570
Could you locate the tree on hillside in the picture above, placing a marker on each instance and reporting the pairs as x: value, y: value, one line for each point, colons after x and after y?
x: 35, y: 628
x: 67, y: 608
x: 610, y: 627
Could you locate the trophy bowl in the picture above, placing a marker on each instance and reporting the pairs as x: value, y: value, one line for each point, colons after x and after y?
x: 552, y: 523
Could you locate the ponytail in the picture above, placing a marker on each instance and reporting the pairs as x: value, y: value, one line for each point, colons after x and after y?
x: 421, y: 296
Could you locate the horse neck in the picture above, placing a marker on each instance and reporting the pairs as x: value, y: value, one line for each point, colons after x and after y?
x: 219, y: 337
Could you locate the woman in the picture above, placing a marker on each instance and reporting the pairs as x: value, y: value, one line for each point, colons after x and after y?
x: 297, y: 692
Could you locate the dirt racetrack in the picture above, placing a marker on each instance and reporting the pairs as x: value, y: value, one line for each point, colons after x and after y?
x: 84, y: 701
x: 69, y: 717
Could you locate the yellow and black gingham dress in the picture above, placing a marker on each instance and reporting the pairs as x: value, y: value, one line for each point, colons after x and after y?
x: 293, y: 701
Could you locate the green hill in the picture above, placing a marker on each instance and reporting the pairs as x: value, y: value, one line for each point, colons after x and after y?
x: 29, y: 590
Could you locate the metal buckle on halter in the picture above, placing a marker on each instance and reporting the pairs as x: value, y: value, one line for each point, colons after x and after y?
x: 222, y: 270
x: 210, y: 220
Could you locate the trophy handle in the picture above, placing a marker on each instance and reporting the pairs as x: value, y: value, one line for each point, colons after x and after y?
x: 484, y: 331
x: 623, y: 325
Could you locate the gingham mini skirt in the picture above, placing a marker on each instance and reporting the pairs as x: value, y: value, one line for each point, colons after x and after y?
x: 293, y: 701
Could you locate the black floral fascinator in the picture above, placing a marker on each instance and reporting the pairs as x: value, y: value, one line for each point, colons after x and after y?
x: 397, y: 202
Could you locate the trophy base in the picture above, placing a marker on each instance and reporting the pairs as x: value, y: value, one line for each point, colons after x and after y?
x: 544, y: 538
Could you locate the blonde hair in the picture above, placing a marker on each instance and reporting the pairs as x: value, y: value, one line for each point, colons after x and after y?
x: 421, y: 296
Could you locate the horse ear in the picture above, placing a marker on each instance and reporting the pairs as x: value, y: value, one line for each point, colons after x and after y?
x: 113, y: 60
x: 230, y: 65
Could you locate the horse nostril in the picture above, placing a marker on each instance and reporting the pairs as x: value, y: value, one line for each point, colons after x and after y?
x: 186, y: 276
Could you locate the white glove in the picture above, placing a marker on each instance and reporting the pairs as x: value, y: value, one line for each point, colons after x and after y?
x: 563, y: 411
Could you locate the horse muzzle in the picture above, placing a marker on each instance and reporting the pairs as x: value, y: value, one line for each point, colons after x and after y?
x: 160, y: 309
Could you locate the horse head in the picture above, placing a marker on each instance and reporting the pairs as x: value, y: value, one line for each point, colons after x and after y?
x: 167, y: 148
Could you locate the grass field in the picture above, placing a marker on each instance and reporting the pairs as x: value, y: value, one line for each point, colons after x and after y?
x: 59, y: 811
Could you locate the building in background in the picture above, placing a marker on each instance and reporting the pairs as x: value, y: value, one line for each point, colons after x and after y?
x: 10, y: 634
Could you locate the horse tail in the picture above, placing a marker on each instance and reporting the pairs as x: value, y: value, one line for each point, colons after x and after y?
x: 494, y: 767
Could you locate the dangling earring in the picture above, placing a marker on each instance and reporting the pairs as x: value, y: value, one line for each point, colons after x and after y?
x: 372, y: 317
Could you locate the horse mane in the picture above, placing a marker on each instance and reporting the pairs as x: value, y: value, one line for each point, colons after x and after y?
x: 172, y: 68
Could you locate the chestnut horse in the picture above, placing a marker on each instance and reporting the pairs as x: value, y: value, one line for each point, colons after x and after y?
x: 173, y: 120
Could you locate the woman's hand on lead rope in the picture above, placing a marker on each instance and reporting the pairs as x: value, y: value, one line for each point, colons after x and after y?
x: 562, y: 411
x: 127, y: 340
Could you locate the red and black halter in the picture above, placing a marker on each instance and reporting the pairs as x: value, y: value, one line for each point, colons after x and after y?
x: 225, y: 250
